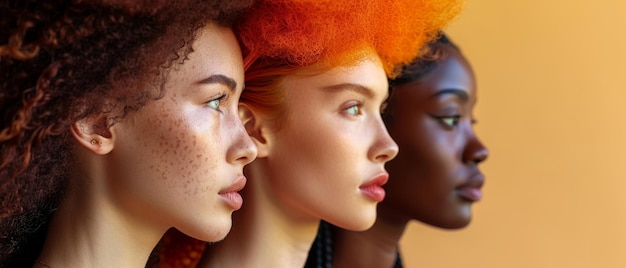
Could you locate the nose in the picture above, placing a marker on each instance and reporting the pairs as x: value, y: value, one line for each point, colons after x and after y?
x: 475, y: 151
x: 243, y: 150
x: 384, y: 148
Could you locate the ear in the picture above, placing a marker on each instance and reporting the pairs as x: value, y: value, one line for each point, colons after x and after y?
x: 94, y: 134
x: 254, y: 125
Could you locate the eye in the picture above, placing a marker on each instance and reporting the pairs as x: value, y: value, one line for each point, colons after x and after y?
x: 215, y: 103
x: 354, y: 110
x: 448, y: 121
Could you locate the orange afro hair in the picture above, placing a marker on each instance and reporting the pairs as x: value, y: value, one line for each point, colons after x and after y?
x: 333, y: 33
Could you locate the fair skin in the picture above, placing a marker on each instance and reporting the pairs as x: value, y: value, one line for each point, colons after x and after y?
x: 435, y: 178
x: 176, y: 162
x: 325, y: 160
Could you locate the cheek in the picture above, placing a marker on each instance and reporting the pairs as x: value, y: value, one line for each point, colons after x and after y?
x: 182, y: 154
x: 427, y: 154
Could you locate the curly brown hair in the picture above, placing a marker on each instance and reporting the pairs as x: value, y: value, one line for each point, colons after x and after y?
x: 64, y: 60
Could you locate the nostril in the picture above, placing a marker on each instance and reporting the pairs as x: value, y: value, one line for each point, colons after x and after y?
x: 389, y: 153
x: 481, y: 155
x: 250, y: 155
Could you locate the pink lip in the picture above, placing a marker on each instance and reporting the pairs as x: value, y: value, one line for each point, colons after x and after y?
x: 471, y: 190
x: 473, y: 194
x: 373, y: 188
x: 231, y: 196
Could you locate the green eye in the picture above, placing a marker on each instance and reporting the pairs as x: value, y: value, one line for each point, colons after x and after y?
x: 354, y: 110
x: 450, y: 121
x: 214, y: 104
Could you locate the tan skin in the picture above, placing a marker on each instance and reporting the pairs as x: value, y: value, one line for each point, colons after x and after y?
x: 435, y: 178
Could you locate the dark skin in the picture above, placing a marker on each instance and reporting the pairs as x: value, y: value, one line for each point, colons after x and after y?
x: 435, y: 178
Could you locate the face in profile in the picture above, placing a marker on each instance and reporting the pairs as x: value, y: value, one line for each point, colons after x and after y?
x: 435, y: 178
x: 178, y: 161
x: 327, y: 157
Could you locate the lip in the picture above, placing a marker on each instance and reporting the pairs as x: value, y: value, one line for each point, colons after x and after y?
x: 471, y: 189
x: 373, y: 188
x: 231, y: 196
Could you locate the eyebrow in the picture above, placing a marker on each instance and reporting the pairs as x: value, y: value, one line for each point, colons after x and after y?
x: 220, y: 79
x: 458, y: 92
x: 354, y: 87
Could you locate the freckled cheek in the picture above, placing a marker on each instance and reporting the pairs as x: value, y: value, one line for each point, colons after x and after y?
x: 191, y: 162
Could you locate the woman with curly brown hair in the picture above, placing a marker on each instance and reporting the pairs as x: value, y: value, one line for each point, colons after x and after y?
x: 114, y: 116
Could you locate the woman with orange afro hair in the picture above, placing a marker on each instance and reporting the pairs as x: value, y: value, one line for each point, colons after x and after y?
x: 116, y: 115
x: 316, y: 78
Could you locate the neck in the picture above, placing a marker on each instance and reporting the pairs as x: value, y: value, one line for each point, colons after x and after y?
x: 375, y: 247
x: 88, y: 230
x: 265, y: 232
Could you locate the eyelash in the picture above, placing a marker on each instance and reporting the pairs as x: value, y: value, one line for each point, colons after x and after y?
x: 219, y: 99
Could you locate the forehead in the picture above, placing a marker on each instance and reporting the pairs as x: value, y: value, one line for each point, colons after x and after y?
x: 215, y: 51
x: 451, y: 72
x: 367, y: 72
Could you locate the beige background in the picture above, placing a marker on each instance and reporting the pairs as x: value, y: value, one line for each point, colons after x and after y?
x: 552, y: 110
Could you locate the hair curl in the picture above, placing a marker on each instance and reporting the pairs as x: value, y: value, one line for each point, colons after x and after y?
x: 65, y: 60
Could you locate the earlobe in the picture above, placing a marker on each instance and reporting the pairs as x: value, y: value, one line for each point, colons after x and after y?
x: 93, y: 134
x: 253, y: 124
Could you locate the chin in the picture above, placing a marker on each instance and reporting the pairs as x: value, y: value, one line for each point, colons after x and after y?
x: 457, y: 219
x: 356, y: 223
x: 455, y: 225
x: 214, y: 232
